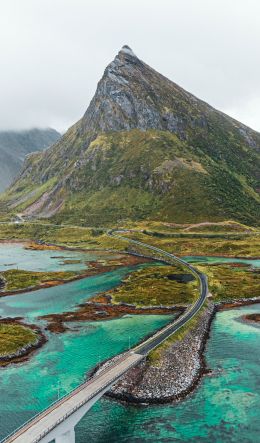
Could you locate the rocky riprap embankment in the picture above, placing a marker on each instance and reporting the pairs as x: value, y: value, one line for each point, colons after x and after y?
x: 174, y: 375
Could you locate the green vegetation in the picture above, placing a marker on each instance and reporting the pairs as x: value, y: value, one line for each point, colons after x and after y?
x: 231, y: 282
x: 15, y: 145
x: 14, y: 337
x: 154, y: 357
x: 137, y: 175
x: 153, y: 286
x: 76, y: 237
x: 163, y: 228
x: 186, y: 244
x: 170, y: 238
x: 158, y: 153
x: 17, y: 279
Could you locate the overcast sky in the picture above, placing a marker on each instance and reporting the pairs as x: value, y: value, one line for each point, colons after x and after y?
x: 53, y: 52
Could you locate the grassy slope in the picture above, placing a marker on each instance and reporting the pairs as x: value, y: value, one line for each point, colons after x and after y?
x: 185, y: 244
x: 153, y: 174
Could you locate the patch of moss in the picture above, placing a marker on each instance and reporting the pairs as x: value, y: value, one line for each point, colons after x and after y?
x: 19, y: 279
x: 14, y: 336
x: 230, y: 282
x: 153, y: 286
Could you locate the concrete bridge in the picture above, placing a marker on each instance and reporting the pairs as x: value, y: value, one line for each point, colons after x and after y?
x: 58, y: 421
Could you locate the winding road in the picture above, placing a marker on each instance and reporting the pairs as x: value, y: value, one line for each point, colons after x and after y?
x: 160, y: 336
x: 57, y: 422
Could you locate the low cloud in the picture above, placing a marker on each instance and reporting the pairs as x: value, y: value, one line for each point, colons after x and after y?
x: 53, y: 52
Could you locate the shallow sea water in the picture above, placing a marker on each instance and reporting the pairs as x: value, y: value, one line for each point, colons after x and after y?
x: 225, y: 407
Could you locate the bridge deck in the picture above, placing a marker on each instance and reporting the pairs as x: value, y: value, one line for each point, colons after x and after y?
x: 43, y: 423
x: 37, y: 428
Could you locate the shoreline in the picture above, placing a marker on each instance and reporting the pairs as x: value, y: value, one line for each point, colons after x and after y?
x: 232, y: 304
x: 71, y: 248
x: 26, y: 352
x: 239, y: 257
x: 197, y: 358
x: 96, y: 269
x: 253, y: 319
x: 98, y: 311
x: 122, y: 390
x: 136, y: 374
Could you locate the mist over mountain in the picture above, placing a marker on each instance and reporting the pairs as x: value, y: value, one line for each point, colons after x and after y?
x: 15, y: 145
x: 145, y: 148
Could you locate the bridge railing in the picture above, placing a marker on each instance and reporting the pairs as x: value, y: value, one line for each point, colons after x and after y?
x: 145, y: 250
x: 86, y: 400
x: 140, y: 249
x: 65, y: 397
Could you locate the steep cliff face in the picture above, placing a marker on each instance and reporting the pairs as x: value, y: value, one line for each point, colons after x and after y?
x: 144, y: 148
x: 132, y: 95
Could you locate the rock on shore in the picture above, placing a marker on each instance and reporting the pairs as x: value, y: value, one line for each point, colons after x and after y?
x: 174, y: 375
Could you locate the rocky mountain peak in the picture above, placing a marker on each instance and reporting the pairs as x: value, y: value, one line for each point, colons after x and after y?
x: 122, y: 66
x: 126, y: 51
x: 144, y: 148
x: 132, y: 95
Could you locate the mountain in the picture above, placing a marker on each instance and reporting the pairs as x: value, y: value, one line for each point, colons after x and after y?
x: 15, y: 145
x: 145, y: 148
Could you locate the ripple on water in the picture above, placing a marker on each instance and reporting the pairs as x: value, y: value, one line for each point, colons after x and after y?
x: 28, y: 388
x: 224, y: 408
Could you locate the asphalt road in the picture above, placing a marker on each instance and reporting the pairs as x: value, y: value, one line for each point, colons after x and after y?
x: 152, y: 342
x: 41, y: 425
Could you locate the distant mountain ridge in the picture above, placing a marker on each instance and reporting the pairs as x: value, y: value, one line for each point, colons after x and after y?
x: 145, y: 148
x: 15, y: 145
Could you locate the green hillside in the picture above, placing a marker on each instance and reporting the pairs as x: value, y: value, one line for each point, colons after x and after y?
x: 145, y: 149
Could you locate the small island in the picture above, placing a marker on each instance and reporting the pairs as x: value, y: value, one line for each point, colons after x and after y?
x: 252, y: 318
x: 153, y: 290
x: 18, y: 341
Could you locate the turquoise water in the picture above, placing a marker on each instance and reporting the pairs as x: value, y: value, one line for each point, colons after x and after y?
x: 213, y: 260
x: 13, y: 256
x: 225, y: 408
x: 28, y: 388
x: 60, y: 298
x: 63, y: 362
